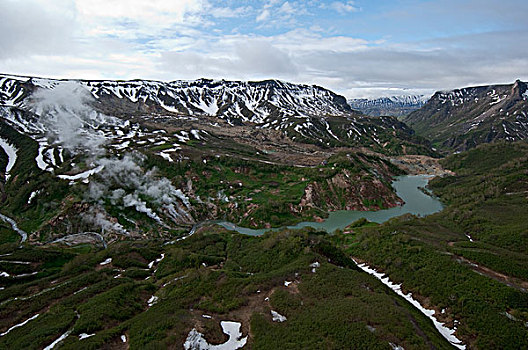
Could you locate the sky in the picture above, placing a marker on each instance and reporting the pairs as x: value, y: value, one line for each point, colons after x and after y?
x: 363, y: 48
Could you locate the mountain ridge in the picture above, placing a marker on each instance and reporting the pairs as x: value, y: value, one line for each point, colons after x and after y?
x: 460, y: 119
x: 137, y: 89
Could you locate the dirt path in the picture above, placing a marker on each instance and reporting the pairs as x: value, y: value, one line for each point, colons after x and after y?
x: 497, y: 276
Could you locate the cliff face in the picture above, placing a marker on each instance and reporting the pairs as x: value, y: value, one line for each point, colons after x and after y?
x: 261, y: 198
x: 345, y: 191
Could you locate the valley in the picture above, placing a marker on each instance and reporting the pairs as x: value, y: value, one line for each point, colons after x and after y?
x: 259, y: 215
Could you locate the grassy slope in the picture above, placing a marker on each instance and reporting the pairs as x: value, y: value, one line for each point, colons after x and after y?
x: 474, y: 117
x: 487, y: 200
x: 330, y: 308
x: 393, y: 137
x: 26, y: 179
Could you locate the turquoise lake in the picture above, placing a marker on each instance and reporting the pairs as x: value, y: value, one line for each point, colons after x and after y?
x: 407, y: 187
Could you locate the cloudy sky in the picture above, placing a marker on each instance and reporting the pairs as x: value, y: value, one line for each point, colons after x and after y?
x: 363, y: 48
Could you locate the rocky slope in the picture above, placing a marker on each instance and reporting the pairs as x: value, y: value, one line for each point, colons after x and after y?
x: 394, y: 105
x: 463, y: 118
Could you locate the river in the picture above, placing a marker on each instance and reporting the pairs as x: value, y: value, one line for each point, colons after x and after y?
x: 23, y: 235
x: 408, y: 188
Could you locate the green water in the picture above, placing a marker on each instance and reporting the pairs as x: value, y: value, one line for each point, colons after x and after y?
x: 407, y: 187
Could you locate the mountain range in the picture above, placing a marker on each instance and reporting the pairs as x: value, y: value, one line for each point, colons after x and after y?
x: 300, y: 112
x: 397, y: 106
x: 170, y: 138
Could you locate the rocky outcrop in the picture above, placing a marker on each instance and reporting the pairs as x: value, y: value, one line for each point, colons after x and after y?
x: 345, y: 191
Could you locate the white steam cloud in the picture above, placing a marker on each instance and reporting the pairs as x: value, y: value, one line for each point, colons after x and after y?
x: 64, y: 111
x: 138, y: 189
x: 132, y: 200
x: 100, y: 218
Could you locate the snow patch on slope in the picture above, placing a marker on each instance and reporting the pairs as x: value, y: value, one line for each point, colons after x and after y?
x: 276, y: 317
x: 196, y: 340
x: 11, y: 152
x: 447, y: 333
x: 84, y: 175
x: 19, y: 325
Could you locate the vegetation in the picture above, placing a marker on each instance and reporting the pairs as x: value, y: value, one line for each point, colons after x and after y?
x: 214, y: 272
x: 482, y: 282
x: 254, y: 194
x: 241, y: 188
x: 390, y: 137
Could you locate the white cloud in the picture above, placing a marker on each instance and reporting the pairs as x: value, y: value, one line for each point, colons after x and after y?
x: 304, y: 41
x: 152, y: 11
x: 264, y: 15
x: 261, y: 57
x: 357, y: 67
x: 272, y: 3
x: 344, y: 7
x: 282, y: 15
x: 140, y: 20
x: 287, y: 8
x: 30, y: 28
x: 237, y: 57
x: 227, y: 12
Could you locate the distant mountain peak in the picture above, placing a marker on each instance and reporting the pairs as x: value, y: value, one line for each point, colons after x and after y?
x: 392, y: 105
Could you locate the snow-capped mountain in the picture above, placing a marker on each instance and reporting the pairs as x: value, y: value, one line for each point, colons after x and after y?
x: 303, y: 113
x: 463, y: 118
x: 234, y: 101
x: 393, y: 105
